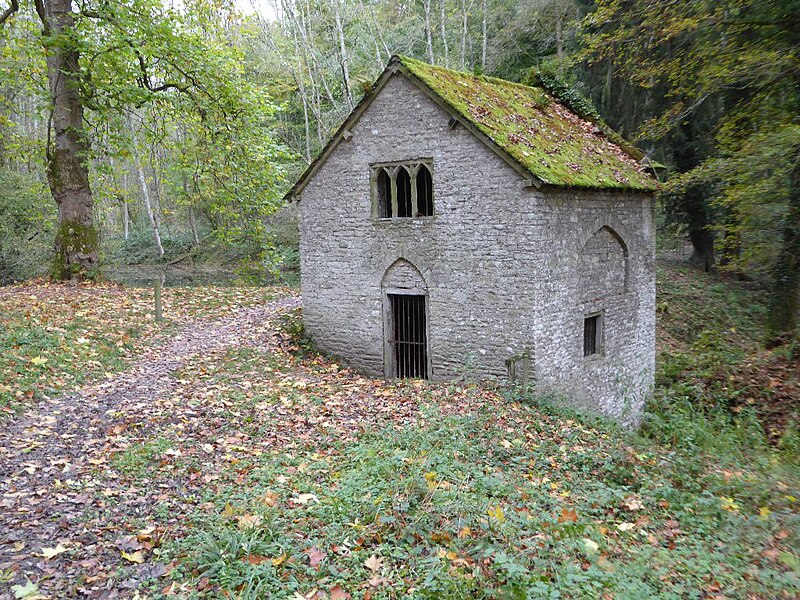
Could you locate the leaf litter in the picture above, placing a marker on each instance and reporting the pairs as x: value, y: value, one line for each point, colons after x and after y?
x: 118, y: 472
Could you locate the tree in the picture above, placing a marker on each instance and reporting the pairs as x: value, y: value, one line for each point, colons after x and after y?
x: 105, y: 59
x: 743, y: 58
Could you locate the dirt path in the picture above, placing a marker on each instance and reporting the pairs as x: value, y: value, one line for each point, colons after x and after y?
x: 51, y: 499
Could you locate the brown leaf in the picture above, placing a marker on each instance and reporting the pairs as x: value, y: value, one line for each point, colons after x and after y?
x: 338, y: 593
x: 373, y: 563
x: 315, y: 556
x: 568, y: 515
x: 270, y: 499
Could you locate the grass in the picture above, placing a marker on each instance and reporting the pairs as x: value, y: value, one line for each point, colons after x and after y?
x: 510, y: 501
x: 54, y: 338
x: 281, y: 474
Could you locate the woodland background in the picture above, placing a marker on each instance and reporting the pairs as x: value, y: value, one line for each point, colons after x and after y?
x: 238, y: 471
x: 197, y: 117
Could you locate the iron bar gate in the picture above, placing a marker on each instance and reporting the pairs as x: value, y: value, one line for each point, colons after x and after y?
x: 409, y: 341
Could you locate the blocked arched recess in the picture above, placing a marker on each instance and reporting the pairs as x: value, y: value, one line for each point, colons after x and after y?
x: 604, y: 264
x: 403, y: 275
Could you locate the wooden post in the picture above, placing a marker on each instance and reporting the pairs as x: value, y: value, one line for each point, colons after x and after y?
x: 157, y: 296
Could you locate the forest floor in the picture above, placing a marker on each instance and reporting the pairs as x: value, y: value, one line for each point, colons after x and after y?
x: 219, y: 456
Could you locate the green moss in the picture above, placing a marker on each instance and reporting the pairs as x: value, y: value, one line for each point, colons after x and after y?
x: 548, y: 139
x: 72, y: 239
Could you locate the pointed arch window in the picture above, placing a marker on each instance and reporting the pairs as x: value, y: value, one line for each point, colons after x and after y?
x: 402, y: 190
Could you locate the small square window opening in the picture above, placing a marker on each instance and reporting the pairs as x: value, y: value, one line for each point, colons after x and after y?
x: 592, y: 335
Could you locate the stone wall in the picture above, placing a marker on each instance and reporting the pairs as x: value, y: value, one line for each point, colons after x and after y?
x: 508, y: 268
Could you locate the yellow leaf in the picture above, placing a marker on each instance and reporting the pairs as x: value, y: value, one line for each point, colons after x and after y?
x: 39, y: 360
x: 464, y: 532
x: 278, y: 561
x: 497, y: 514
x: 228, y: 510
x: 764, y: 512
x: 49, y: 553
x: 430, y: 477
x: 134, y: 557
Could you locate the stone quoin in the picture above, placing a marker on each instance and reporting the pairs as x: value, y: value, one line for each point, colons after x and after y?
x: 459, y: 224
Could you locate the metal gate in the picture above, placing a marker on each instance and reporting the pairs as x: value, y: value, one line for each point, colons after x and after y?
x: 409, y: 336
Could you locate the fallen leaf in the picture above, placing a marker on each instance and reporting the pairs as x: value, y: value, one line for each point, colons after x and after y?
x: 249, y: 521
x: 568, y: 516
x: 315, y: 556
x: 590, y: 546
x: 49, y: 553
x: 305, y: 499
x: 625, y: 526
x: 729, y: 504
x: 29, y: 591
x: 373, y: 563
x: 254, y: 559
x: 134, y: 557
x: 496, y: 513
x: 270, y: 498
x: 278, y: 561
x: 633, y: 503
x: 338, y: 593
x: 39, y: 361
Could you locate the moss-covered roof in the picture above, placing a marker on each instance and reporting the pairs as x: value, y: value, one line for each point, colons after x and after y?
x: 536, y: 130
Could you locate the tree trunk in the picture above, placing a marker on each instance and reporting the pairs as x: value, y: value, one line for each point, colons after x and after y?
x: 148, y: 203
x: 192, y: 220
x: 193, y: 225
x: 426, y: 5
x: 483, y: 38
x: 692, y: 204
x: 126, y: 219
x: 343, y: 55
x: 464, y: 15
x: 785, y: 303
x: 559, y: 36
x: 443, y: 32
x: 77, y: 239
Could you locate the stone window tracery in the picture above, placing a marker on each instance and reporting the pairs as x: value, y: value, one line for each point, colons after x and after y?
x: 402, y: 190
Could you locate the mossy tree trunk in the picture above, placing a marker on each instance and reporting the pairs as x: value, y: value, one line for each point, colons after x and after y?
x: 76, y: 241
x: 785, y: 304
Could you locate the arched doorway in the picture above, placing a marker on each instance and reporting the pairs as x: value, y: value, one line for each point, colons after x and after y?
x: 405, y: 308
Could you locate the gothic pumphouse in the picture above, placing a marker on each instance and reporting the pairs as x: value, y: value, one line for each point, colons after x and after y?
x: 459, y: 223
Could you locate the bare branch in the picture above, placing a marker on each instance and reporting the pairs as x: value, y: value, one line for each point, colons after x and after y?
x: 40, y: 10
x: 9, y: 11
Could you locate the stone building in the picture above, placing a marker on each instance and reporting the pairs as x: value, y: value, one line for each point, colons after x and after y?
x: 465, y: 225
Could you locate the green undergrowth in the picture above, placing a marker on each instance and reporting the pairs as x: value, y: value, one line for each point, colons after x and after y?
x: 532, y: 502
x: 717, y: 389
